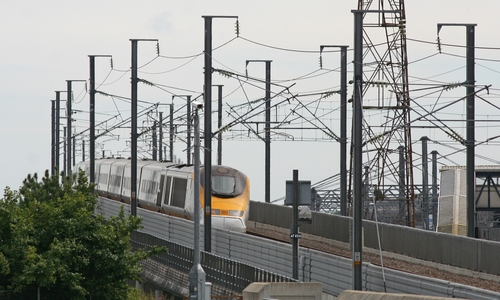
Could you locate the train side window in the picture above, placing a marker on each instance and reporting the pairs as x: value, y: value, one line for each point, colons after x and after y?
x: 167, y: 191
x: 158, y: 198
x: 115, y: 180
x: 147, y: 188
x: 126, y: 183
x: 104, y: 178
x: 152, y: 187
x: 179, y: 195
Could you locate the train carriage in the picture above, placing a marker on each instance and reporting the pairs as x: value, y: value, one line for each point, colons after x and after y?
x: 149, y: 178
x: 178, y: 199
x: 168, y: 188
x: 115, y: 184
x: 102, y: 180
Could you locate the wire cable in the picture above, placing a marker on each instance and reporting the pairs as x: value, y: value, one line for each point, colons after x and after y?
x: 476, y: 58
x: 451, y: 45
x: 174, y: 69
x: 107, y: 84
x: 284, y: 49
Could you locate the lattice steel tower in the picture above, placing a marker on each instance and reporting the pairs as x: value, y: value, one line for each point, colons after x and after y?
x: 387, y: 148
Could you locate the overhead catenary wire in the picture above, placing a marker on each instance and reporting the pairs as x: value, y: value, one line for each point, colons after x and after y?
x: 421, y: 85
x: 451, y: 45
x: 476, y: 58
x: 173, y: 69
x: 114, y: 81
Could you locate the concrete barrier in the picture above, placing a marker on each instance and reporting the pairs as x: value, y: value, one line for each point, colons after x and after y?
x: 487, y: 261
x: 363, y: 295
x: 283, y: 291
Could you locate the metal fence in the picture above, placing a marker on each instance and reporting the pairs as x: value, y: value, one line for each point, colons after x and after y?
x: 226, y: 275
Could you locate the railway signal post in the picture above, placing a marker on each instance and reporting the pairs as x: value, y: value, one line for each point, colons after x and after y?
x: 297, y: 193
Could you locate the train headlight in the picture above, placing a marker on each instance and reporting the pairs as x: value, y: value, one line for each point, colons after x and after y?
x: 236, y: 213
x: 215, y: 211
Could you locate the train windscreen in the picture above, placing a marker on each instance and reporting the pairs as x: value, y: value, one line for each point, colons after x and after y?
x: 223, y: 185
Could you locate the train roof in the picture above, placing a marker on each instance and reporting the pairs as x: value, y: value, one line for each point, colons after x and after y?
x: 216, y: 169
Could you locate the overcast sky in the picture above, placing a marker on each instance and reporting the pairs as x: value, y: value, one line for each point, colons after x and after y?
x: 45, y: 43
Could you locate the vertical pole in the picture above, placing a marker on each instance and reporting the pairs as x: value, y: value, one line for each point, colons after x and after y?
x: 133, y: 149
x: 207, y: 93
x: 189, y: 130
x: 83, y: 150
x: 65, y: 149
x: 197, y: 275
x: 402, y: 176
x: 434, y: 189
x: 219, y: 124
x: 295, y: 225
x: 69, y: 113
x: 343, y: 131
x: 267, y: 130
x: 470, y: 141
x: 73, y: 140
x: 357, y: 141
x: 58, y: 138
x: 268, y: 133
x: 160, y: 136
x: 155, y: 141
x: 366, y: 183
x: 471, y: 182
x: 172, y: 132
x: 53, y: 139
x: 92, y: 119
x: 425, y: 182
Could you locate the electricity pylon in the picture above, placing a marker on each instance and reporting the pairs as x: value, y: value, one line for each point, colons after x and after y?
x: 386, y: 108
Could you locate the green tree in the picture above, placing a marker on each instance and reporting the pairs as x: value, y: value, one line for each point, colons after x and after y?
x: 51, y: 239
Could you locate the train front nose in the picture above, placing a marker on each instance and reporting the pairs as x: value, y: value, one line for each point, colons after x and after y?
x: 234, y: 224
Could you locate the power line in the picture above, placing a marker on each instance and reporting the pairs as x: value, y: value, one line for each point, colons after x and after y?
x: 284, y: 49
x: 477, y: 58
x: 451, y: 45
x: 163, y: 87
x: 174, y: 69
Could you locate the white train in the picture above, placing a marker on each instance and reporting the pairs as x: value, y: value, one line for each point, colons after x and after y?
x: 168, y: 188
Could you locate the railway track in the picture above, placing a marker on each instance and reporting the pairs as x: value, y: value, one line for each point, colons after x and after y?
x: 390, y: 260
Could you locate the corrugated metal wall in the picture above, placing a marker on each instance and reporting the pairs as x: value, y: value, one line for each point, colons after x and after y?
x: 458, y: 251
x: 334, y: 272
